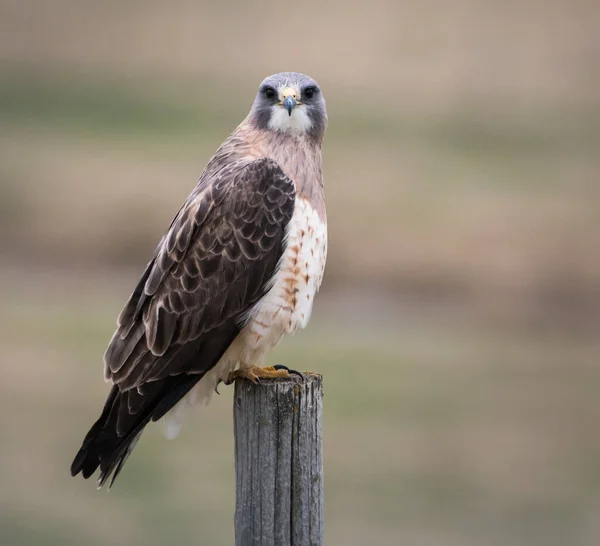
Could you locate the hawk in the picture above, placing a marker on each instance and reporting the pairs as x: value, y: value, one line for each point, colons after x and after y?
x: 238, y: 268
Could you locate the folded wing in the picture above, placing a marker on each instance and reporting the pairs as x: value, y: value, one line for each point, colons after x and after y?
x: 215, y: 262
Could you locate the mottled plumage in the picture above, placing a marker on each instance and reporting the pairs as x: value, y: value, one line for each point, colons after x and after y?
x: 237, y: 269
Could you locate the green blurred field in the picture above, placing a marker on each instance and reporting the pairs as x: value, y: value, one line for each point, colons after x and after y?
x: 437, y: 430
x: 457, y: 328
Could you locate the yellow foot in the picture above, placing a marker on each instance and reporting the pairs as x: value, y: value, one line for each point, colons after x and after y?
x: 256, y: 373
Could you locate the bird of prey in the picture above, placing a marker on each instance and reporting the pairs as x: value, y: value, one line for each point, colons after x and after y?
x: 238, y: 268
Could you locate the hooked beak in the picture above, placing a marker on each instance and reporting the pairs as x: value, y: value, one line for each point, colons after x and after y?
x: 289, y: 100
x: 289, y: 104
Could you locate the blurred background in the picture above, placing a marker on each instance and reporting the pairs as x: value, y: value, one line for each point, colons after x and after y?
x: 458, y: 324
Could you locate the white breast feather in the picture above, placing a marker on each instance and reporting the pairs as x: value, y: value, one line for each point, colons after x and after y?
x: 297, y: 124
x: 288, y: 304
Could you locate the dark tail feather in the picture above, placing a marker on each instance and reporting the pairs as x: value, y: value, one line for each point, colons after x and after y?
x: 126, y: 412
x: 103, y: 447
x: 82, y: 462
x: 113, y: 436
x: 117, y: 462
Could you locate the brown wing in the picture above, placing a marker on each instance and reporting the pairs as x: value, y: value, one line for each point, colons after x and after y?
x: 212, y: 266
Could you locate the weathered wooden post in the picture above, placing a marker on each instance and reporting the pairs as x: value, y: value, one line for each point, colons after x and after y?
x: 279, y: 462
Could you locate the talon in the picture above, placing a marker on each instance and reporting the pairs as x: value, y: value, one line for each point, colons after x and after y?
x: 289, y: 370
x: 256, y: 373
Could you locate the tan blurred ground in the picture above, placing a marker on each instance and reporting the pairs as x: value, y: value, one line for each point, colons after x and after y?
x: 458, y: 326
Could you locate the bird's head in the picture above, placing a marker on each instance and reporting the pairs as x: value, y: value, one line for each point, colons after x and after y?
x: 292, y: 103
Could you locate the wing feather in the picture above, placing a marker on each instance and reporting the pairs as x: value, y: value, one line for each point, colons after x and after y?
x: 214, y: 263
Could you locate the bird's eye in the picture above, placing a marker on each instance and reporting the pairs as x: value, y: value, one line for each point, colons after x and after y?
x: 310, y: 92
x: 269, y: 92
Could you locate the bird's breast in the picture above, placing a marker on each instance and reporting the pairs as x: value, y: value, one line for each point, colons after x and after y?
x: 288, y: 304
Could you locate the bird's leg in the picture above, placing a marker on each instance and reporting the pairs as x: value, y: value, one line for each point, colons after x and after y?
x: 256, y: 373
